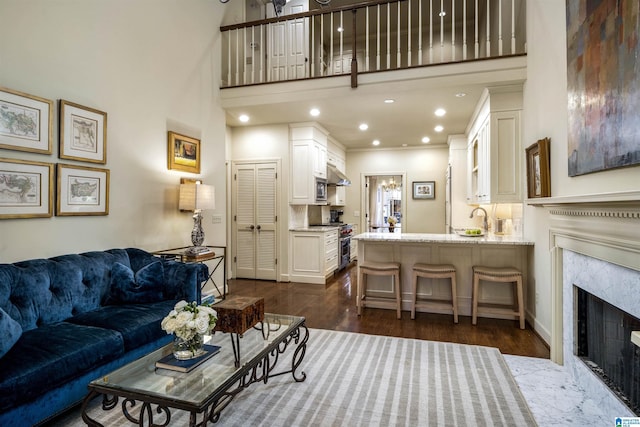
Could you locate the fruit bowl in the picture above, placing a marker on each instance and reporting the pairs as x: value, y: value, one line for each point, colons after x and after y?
x: 470, y: 232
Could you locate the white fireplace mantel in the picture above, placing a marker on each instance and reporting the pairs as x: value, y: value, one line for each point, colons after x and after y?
x: 602, y: 226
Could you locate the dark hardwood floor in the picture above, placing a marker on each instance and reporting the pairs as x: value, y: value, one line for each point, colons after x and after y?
x: 333, y: 307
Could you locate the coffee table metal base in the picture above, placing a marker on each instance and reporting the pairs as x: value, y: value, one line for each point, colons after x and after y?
x: 157, y: 412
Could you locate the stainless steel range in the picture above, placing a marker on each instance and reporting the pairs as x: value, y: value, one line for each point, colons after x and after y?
x: 344, y: 245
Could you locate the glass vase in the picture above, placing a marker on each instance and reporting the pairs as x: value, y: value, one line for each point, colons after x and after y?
x: 188, y: 349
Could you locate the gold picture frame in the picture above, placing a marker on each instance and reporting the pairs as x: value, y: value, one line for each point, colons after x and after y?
x: 82, y: 191
x: 26, y: 189
x: 538, y: 169
x: 183, y: 153
x: 83, y: 133
x: 26, y: 122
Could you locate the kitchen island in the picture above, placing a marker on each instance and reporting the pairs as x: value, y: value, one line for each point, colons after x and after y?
x: 462, y: 251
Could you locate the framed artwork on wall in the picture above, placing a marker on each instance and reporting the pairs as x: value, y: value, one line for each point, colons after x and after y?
x: 424, y: 189
x: 26, y: 189
x: 538, y: 169
x: 602, y: 88
x: 82, y: 191
x: 26, y: 122
x: 83, y: 133
x: 183, y: 153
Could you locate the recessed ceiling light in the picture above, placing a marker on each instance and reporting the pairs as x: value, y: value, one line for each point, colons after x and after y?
x: 314, y: 112
x: 426, y: 139
x: 376, y: 142
x: 363, y: 126
x: 243, y: 118
x: 389, y: 101
x: 461, y: 94
x: 442, y: 14
x: 404, y: 145
x: 440, y: 112
x: 438, y: 128
x: 340, y: 29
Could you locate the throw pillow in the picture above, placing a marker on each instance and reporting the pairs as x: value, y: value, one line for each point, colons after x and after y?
x: 10, y: 330
x: 142, y: 287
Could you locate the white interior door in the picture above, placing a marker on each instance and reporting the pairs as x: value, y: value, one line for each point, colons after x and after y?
x: 289, y: 43
x: 254, y: 205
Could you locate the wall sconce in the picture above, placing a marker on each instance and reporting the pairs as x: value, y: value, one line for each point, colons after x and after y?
x: 196, y: 197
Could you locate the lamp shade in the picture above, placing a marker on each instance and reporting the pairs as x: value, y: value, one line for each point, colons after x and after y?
x: 196, y: 197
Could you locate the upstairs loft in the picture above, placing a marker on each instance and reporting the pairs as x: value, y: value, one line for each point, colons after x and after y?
x: 357, y: 41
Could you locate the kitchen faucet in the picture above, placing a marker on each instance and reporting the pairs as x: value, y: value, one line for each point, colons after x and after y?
x: 485, y: 223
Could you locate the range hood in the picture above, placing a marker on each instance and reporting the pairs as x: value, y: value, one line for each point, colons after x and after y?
x: 335, y: 177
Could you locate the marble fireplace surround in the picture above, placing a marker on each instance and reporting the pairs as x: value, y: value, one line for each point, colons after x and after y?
x: 594, y: 244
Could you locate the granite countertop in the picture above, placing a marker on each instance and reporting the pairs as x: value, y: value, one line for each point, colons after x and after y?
x: 316, y: 228
x: 489, y: 239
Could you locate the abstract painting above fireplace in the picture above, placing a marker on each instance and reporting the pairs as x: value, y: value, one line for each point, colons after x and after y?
x: 603, y: 54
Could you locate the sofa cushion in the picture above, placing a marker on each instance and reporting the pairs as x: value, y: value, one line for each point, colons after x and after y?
x: 138, y: 324
x: 142, y: 287
x: 10, y: 332
x: 51, y: 355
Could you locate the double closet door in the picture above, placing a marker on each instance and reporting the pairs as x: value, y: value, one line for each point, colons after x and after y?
x: 254, y: 206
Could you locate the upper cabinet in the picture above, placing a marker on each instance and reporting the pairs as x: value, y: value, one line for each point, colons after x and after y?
x: 494, y: 153
x: 308, y: 161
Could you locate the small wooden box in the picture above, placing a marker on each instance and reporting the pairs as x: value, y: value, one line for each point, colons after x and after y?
x: 238, y: 314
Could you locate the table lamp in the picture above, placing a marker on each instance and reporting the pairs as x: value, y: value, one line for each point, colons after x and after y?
x: 196, y: 197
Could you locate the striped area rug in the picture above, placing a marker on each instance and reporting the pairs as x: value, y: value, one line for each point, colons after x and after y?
x: 367, y: 380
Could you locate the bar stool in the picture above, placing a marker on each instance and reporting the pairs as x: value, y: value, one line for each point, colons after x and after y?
x: 369, y: 268
x: 434, y: 271
x: 501, y: 275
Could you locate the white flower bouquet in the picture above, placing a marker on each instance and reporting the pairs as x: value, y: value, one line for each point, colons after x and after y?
x: 187, y: 320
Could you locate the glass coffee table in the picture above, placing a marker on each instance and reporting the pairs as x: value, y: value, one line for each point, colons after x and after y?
x: 206, y: 390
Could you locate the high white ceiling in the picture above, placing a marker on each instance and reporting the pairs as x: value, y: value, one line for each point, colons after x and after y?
x: 417, y: 94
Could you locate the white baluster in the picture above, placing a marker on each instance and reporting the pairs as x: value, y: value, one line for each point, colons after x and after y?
x: 378, y: 42
x: 420, y: 32
x: 366, y: 49
x: 464, y: 30
x: 488, y: 52
x: 500, y: 28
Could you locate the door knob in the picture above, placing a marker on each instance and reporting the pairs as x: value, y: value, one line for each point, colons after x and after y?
x: 258, y: 227
x: 251, y: 227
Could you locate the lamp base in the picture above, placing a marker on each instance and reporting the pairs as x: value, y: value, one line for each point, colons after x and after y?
x: 197, y: 234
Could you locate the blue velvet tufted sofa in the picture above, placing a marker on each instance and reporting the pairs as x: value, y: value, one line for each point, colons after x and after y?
x: 67, y: 320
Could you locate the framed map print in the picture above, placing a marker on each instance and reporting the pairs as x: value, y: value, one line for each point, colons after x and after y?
x: 26, y: 122
x: 26, y: 189
x: 82, y: 191
x: 83, y: 133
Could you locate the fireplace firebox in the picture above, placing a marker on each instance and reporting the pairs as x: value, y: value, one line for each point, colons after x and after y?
x: 603, y: 343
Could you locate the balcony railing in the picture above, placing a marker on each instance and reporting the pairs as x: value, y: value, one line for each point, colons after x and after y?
x: 369, y: 37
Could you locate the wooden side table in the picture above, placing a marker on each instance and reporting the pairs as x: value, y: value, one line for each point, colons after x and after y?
x: 236, y: 316
x: 217, y: 254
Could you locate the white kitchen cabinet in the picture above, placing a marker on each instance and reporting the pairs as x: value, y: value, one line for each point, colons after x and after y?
x: 332, y: 253
x: 336, y: 195
x: 314, y: 255
x: 308, y: 161
x: 495, y: 154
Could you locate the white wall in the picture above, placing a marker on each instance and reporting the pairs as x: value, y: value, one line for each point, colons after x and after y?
x: 152, y: 65
x: 545, y: 115
x: 422, y: 164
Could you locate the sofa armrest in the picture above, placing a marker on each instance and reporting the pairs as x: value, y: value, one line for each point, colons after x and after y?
x: 182, y: 280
